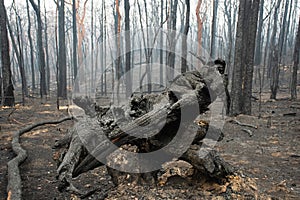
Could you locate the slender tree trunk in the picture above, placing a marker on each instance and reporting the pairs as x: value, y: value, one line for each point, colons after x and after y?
x: 258, y: 52
x: 21, y: 59
x: 118, y: 67
x: 171, y: 54
x: 74, y: 34
x: 214, y: 29
x: 19, y: 55
x: 273, y: 56
x: 296, y: 65
x: 31, y: 48
x: 62, y: 80
x: 200, y: 27
x: 127, y: 49
x: 161, y: 61
x: 184, y: 38
x: 47, y: 50
x: 92, y: 45
x: 41, y: 54
x: 8, y: 98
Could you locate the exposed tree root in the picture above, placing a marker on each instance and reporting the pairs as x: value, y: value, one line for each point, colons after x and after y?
x: 14, y: 187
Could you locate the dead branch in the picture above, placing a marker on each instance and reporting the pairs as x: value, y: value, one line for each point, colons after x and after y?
x: 248, y: 131
x: 234, y: 121
x: 14, y: 187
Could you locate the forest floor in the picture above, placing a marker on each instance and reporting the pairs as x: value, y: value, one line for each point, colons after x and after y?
x: 270, y: 157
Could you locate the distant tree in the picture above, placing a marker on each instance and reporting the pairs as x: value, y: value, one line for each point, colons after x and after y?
x: 41, y: 54
x: 8, y: 98
x: 296, y: 65
x: 241, y: 90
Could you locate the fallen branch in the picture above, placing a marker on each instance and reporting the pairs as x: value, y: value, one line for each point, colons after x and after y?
x: 290, y: 114
x: 248, y: 131
x: 234, y: 121
x: 14, y: 187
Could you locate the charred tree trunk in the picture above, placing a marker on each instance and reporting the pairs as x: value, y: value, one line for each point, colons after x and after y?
x: 41, y: 54
x: 273, y: 56
x: 8, y: 98
x: 62, y: 75
x: 127, y: 49
x: 184, y: 66
x: 214, y: 30
x: 31, y: 48
x: 47, y: 67
x: 296, y: 65
x: 74, y: 35
x: 241, y: 90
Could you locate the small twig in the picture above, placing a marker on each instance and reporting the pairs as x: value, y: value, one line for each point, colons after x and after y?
x: 242, y: 124
x: 248, y: 131
x: 11, y: 112
x: 17, y: 122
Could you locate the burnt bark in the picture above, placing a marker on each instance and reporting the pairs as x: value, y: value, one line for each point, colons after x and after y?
x: 41, y: 54
x: 296, y: 65
x: 8, y: 98
x: 62, y: 75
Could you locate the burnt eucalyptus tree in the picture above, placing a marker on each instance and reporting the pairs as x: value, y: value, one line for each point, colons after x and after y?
x: 31, y: 47
x: 214, y: 29
x: 273, y: 67
x: 40, y: 51
x: 296, y: 64
x: 241, y: 90
x: 184, y: 39
x: 62, y: 75
x: 128, y: 49
x: 8, y: 88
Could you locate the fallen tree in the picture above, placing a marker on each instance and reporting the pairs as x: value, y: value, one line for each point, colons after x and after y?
x: 14, y: 188
x: 176, y: 118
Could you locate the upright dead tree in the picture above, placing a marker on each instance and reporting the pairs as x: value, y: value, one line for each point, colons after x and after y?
x: 185, y: 36
x: 214, y: 29
x: 74, y: 34
x: 273, y: 56
x: 241, y: 90
x: 31, y: 47
x: 200, y: 27
x: 258, y: 44
x: 8, y: 98
x: 47, y: 67
x: 62, y: 72
x: 296, y: 65
x: 41, y: 54
x: 127, y: 49
x: 118, y: 62
x: 18, y: 49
